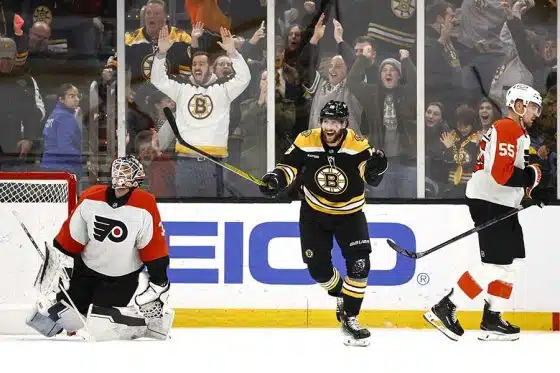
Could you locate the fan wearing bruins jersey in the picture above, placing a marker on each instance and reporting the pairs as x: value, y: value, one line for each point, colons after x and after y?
x: 203, y: 115
x: 112, y: 234
x: 334, y: 163
x: 141, y: 46
x: 502, y: 179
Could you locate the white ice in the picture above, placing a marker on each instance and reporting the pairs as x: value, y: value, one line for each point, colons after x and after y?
x: 283, y: 350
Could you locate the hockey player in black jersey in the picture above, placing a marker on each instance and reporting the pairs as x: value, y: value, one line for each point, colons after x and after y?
x: 334, y: 162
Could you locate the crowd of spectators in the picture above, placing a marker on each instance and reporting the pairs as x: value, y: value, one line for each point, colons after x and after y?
x: 362, y: 52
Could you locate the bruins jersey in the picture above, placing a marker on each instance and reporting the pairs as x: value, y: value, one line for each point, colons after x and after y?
x: 333, y: 178
x: 141, y: 49
x: 393, y: 25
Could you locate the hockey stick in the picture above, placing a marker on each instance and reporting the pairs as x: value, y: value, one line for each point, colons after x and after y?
x: 484, y: 93
x: 235, y: 170
x: 418, y: 255
x: 60, y: 286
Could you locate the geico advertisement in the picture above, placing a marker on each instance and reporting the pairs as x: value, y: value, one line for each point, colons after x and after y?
x: 249, y: 255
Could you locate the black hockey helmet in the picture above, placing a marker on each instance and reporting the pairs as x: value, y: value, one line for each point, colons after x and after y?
x: 337, y: 110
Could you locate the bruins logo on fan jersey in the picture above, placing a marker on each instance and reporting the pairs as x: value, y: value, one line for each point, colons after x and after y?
x: 147, y: 66
x: 403, y: 8
x: 42, y: 14
x: 331, y: 179
x: 200, y: 106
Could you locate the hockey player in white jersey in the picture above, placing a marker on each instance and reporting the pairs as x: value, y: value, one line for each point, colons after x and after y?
x: 112, y: 234
x: 203, y: 108
x: 502, y: 180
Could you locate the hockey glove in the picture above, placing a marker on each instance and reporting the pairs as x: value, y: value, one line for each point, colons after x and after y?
x: 539, y: 196
x: 376, y: 166
x: 152, y: 301
x: 272, y: 188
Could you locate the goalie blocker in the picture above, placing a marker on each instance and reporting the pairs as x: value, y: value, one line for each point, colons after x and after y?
x: 112, y: 234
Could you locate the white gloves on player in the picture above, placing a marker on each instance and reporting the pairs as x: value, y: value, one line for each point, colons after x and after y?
x: 53, y: 271
x: 152, y: 301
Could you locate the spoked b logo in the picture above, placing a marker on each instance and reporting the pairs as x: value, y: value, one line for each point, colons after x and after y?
x: 115, y: 230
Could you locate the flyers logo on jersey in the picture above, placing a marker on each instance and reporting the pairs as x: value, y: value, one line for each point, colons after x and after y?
x: 103, y: 228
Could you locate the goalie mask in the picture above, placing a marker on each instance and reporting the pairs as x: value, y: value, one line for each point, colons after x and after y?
x: 126, y: 172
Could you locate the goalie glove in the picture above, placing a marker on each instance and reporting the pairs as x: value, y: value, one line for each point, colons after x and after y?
x: 54, y: 272
x: 152, y: 301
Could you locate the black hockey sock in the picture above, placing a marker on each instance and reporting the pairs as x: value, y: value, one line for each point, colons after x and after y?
x: 334, y: 284
x: 353, y: 291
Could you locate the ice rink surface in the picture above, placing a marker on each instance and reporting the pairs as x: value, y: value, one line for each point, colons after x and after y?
x: 284, y: 350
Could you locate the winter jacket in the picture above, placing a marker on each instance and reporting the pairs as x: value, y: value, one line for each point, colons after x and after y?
x: 62, y: 141
x: 21, y: 111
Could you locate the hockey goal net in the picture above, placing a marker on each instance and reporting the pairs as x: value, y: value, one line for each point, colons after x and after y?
x: 42, y: 201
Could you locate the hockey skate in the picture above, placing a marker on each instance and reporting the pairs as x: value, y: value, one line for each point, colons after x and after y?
x: 494, y: 328
x: 339, y: 307
x: 443, y: 317
x: 354, y: 334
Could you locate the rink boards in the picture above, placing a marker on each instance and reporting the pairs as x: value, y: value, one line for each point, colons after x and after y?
x: 239, y: 265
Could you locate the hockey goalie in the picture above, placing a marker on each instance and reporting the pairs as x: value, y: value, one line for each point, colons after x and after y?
x: 112, y: 235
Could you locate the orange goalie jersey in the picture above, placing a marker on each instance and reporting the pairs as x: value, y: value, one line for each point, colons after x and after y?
x: 114, y: 238
x: 503, y: 147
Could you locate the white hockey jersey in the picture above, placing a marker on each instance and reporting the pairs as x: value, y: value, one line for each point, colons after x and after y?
x: 114, y: 241
x: 503, y: 147
x: 203, y: 111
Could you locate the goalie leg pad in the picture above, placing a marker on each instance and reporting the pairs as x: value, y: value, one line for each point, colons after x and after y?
x: 159, y: 328
x: 115, y: 323
x: 65, y: 316
x: 43, y: 324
